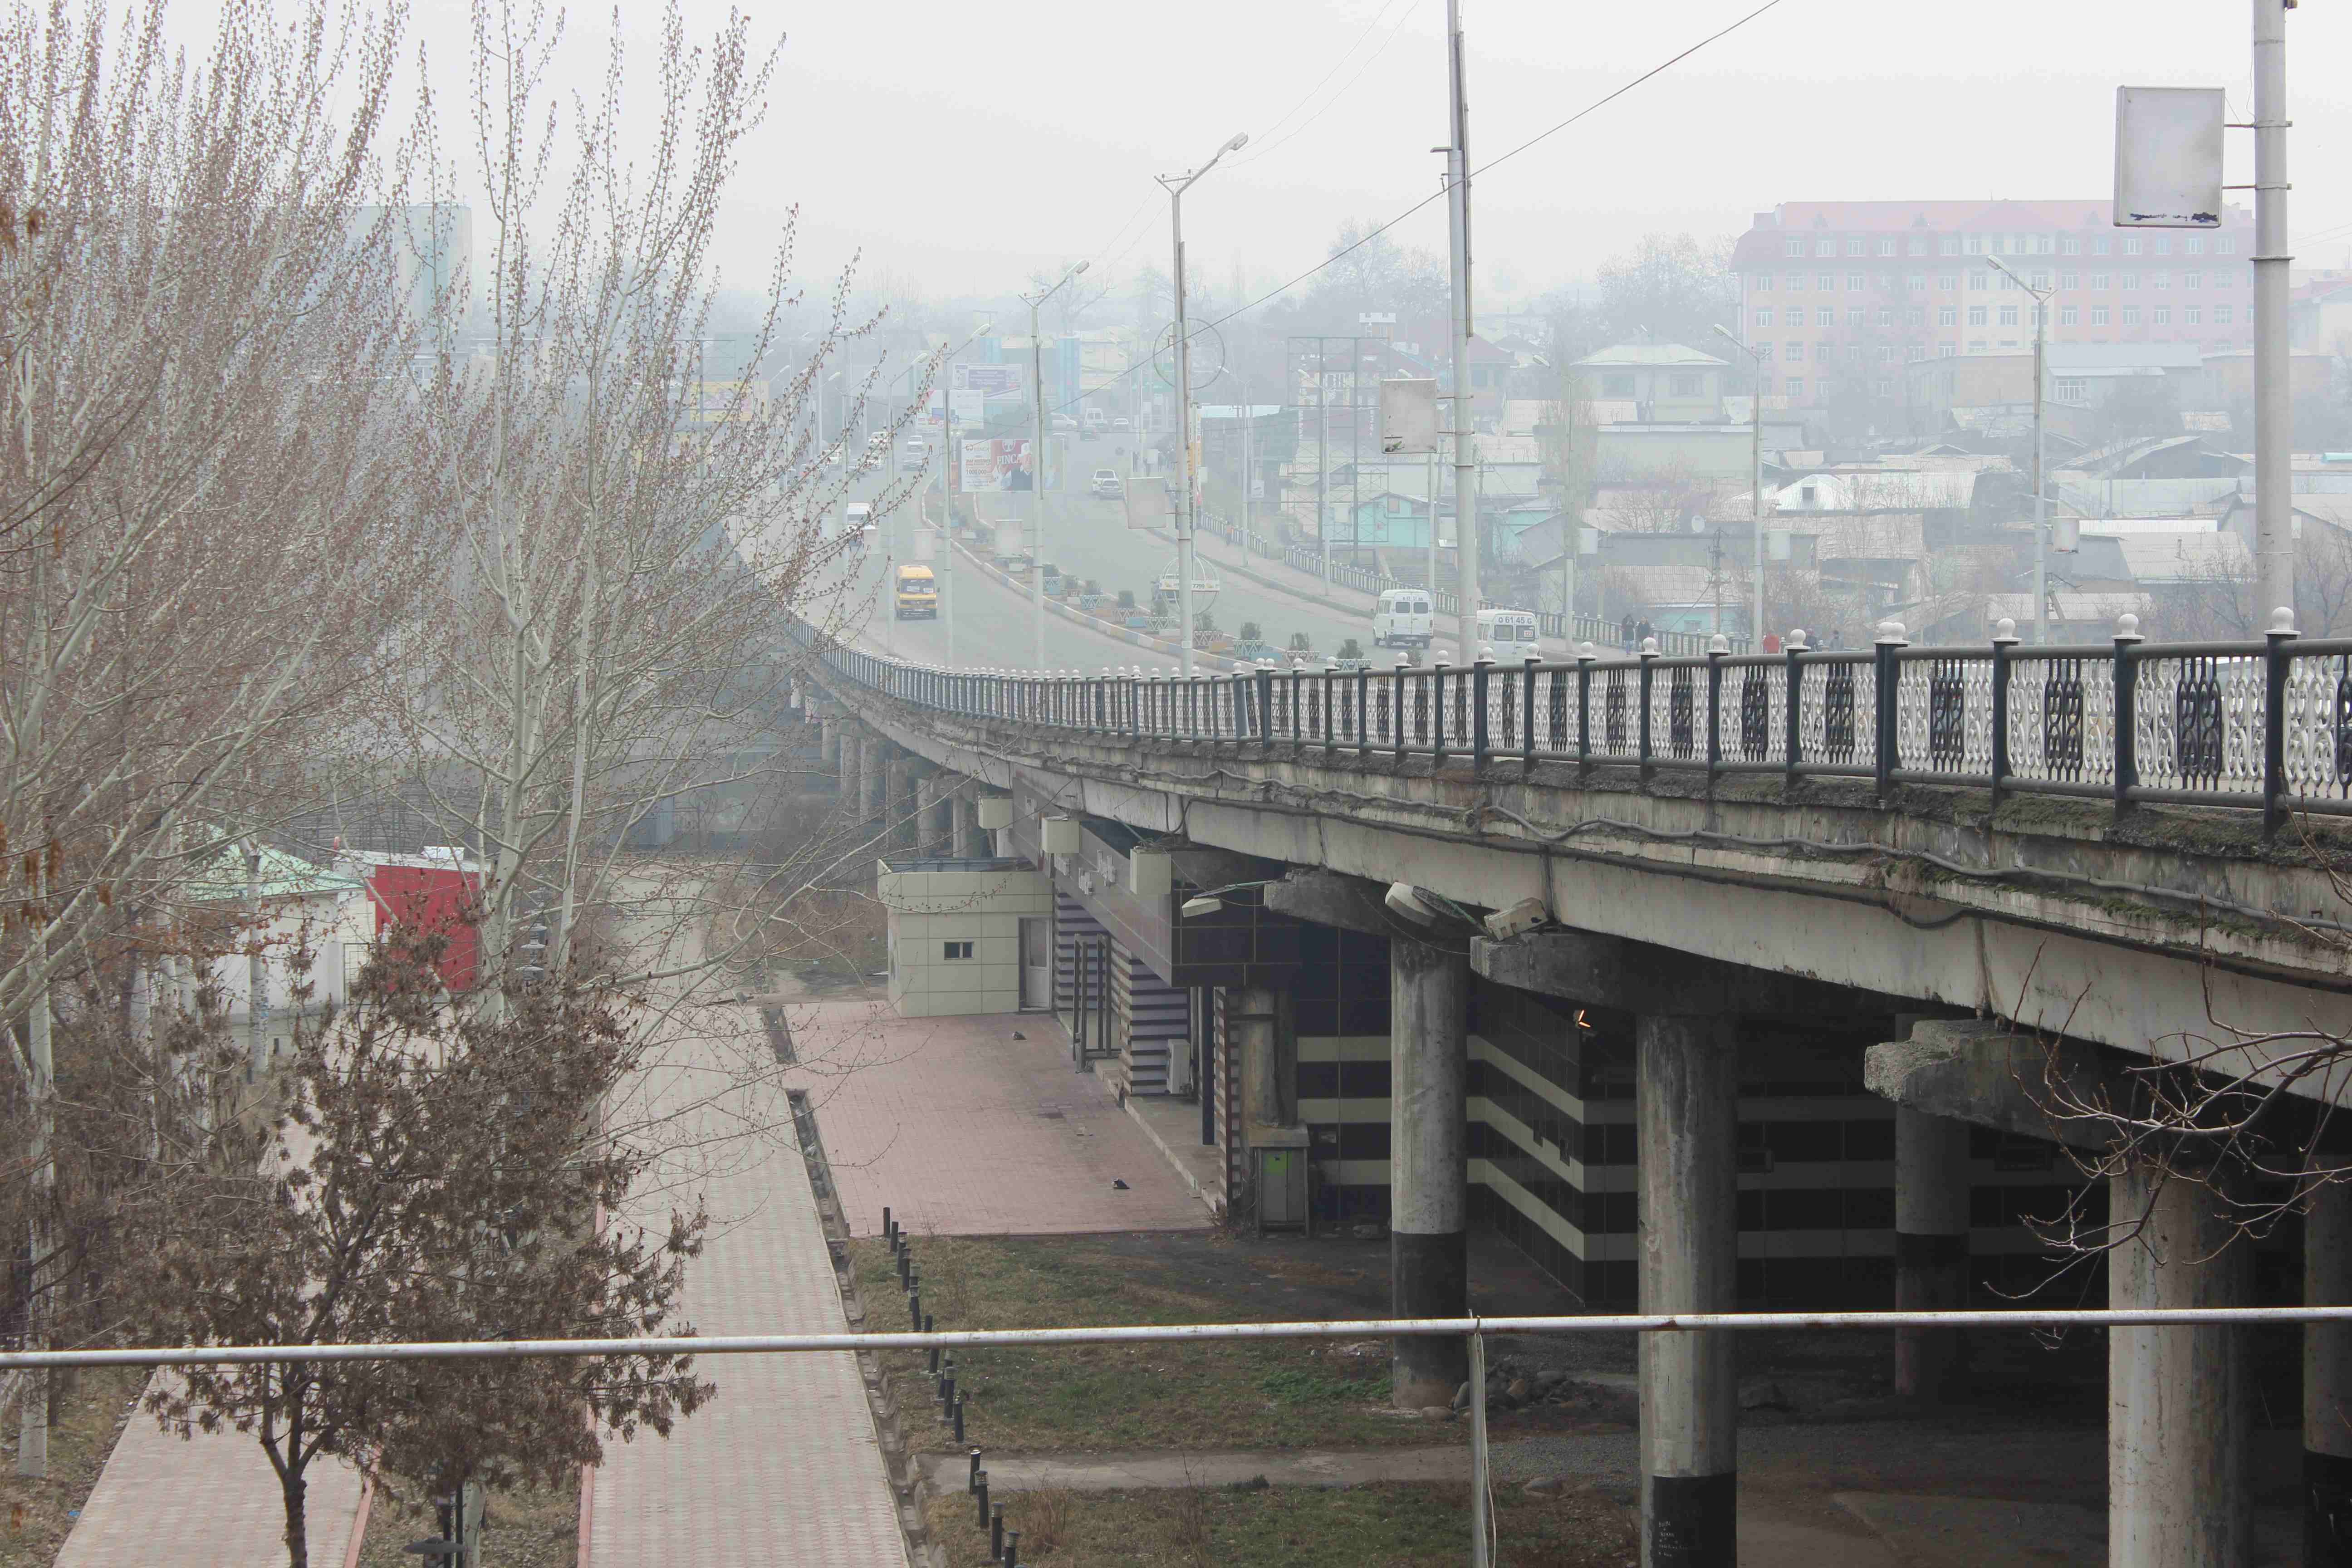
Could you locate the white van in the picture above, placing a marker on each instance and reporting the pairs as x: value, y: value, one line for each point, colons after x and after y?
x: 854, y: 518
x: 1402, y: 619
x: 913, y: 453
x: 1511, y: 634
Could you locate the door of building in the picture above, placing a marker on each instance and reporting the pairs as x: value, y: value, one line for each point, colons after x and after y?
x: 1037, y: 964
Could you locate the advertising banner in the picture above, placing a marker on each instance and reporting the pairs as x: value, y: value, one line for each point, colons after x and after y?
x: 995, y: 464
x: 992, y: 378
x: 970, y: 404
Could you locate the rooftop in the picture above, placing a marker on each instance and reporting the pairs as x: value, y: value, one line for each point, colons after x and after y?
x: 1627, y: 354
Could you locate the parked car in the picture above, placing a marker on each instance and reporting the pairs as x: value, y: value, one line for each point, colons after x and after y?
x: 1106, y: 484
x: 1123, y: 425
x: 1063, y: 423
x: 1088, y: 433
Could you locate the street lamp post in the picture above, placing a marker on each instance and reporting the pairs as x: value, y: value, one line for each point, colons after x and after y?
x: 947, y: 492
x: 1037, y: 457
x: 1176, y: 185
x: 2041, y: 486
x: 1756, y: 466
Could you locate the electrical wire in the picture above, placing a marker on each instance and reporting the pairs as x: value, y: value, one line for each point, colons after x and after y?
x: 1268, y: 139
x: 1364, y: 240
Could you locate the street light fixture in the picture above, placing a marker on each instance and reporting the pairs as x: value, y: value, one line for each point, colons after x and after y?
x: 2040, y: 488
x: 1037, y: 457
x: 1756, y: 463
x: 1176, y: 185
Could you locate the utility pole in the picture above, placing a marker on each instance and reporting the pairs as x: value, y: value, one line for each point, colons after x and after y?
x: 1756, y: 496
x: 948, y: 490
x: 1457, y: 213
x: 1176, y: 185
x: 1037, y: 461
x: 2274, y: 436
x: 2040, y: 488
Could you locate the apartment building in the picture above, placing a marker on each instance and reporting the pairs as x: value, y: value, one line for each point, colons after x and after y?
x: 1843, y: 294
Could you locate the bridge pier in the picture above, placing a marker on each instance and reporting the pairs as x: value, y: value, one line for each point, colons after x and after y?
x: 1429, y: 1162
x: 869, y: 775
x: 1686, y: 1121
x: 1931, y: 1243
x: 965, y: 840
x: 2327, y: 1382
x: 899, y: 800
x: 2180, y: 1411
x: 828, y: 746
x: 939, y: 817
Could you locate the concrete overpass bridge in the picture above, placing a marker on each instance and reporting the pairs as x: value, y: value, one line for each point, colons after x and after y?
x: 1793, y: 955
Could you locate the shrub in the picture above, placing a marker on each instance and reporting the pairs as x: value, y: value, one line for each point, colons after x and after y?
x: 1351, y: 649
x: 1249, y: 631
x: 1299, y: 643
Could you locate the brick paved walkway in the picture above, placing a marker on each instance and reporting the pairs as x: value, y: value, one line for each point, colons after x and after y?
x: 964, y: 1131
x: 210, y: 1502
x: 783, y: 1465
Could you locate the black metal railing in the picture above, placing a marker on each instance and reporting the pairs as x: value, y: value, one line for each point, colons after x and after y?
x: 2263, y: 725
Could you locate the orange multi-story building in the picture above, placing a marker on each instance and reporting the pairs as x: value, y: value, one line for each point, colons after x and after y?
x: 1844, y: 293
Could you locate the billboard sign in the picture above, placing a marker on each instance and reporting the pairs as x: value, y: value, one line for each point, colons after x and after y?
x: 2169, y: 157
x: 992, y: 378
x: 969, y: 404
x: 1409, y: 416
x: 994, y: 463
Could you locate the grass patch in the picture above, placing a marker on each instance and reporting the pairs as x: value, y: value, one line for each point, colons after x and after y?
x: 1379, y: 1525
x: 525, y: 1528
x: 1275, y: 1394
x: 39, y: 1514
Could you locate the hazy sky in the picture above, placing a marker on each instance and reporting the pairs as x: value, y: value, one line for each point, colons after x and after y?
x: 964, y: 144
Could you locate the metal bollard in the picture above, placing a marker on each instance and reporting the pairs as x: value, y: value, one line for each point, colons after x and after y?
x: 889, y: 1229
x: 996, y: 1522
x: 947, y: 1393
x: 914, y: 1310
x: 1012, y: 1549
x: 958, y: 1420
x: 971, y: 1482
x: 906, y: 1266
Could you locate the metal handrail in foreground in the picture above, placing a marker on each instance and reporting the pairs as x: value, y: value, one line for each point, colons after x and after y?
x: 1141, y: 1333
x: 2263, y: 725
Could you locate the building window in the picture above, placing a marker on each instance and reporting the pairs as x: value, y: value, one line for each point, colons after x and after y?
x: 1976, y: 245
x: 1885, y: 316
x: 1977, y: 279
x: 2192, y: 315
x: 2000, y: 245
x: 2071, y: 389
x: 1948, y: 316
x: 1761, y: 282
x: 1915, y: 352
x: 2222, y: 315
x: 1826, y: 316
x: 2070, y: 245
x: 2225, y: 281
x: 1796, y: 386
x: 1947, y: 351
x: 2131, y: 315
x: 2195, y: 245
x: 1824, y: 352
x: 2225, y: 245
x: 1885, y: 247
x: 2161, y: 280
x: 1796, y: 283
x: 2192, y: 280
x: 2163, y: 316
x: 1795, y: 351
x: 2131, y: 244
x: 2098, y: 315
x: 1764, y: 317
x: 1947, y: 281
x: 1856, y: 247
x: 2009, y: 315
x: 2004, y: 282
x: 2131, y: 282
x: 1825, y: 281
x: 1976, y: 345
x: 1855, y: 314
x: 1617, y: 385
x: 2101, y: 244
x: 1918, y: 282
x: 2068, y: 315
x: 1853, y: 353
x: 1825, y: 248
x: 1976, y: 315
x: 1950, y: 245
x: 2070, y: 281
x: 1792, y: 248
x: 954, y: 951
x: 1689, y: 386
x: 1856, y: 280
x: 2164, y: 245
x: 2098, y: 282
x: 1917, y: 316
x: 1886, y: 353
x: 2040, y: 281
x: 1885, y: 389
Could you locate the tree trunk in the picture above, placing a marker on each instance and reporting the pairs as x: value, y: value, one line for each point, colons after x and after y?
x: 298, y: 1532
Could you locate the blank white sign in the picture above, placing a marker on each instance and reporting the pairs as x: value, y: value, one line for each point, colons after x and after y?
x: 2169, y: 157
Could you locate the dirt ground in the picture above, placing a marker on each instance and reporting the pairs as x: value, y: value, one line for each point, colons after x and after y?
x: 524, y: 1528
x: 40, y: 1513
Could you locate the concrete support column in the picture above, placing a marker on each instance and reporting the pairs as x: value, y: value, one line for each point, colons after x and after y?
x: 920, y: 828
x: 850, y: 754
x: 1686, y: 1115
x: 2178, y: 1417
x: 899, y: 802
x: 1429, y: 1162
x: 1251, y: 1034
x: 939, y: 814
x: 2327, y: 1382
x: 828, y: 744
x: 965, y: 840
x: 1931, y: 1248
x: 870, y: 776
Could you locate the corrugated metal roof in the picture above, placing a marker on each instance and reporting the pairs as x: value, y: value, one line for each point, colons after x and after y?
x: 1622, y: 354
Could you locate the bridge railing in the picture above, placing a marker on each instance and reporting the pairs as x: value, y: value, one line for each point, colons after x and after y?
x: 2265, y: 725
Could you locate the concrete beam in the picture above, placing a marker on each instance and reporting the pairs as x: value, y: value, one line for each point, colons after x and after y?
x: 1642, y: 978
x: 1978, y: 1071
x: 1343, y: 903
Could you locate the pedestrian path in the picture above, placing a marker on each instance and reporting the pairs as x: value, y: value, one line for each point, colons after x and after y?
x: 782, y: 1467
x: 977, y: 1126
x: 211, y: 1501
